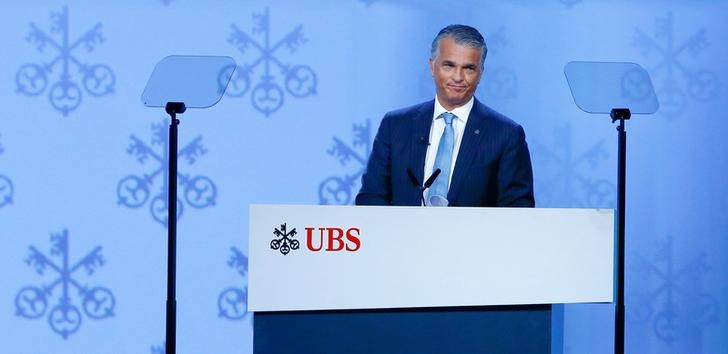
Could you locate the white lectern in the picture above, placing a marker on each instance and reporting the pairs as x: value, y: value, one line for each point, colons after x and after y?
x: 366, y: 279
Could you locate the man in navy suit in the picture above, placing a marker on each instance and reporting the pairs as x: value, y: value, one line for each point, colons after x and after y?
x: 482, y: 155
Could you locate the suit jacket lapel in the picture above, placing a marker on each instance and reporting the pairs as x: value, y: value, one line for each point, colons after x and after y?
x: 474, y: 131
x: 420, y: 139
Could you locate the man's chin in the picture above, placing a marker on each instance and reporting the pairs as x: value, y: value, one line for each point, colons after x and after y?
x: 457, y: 101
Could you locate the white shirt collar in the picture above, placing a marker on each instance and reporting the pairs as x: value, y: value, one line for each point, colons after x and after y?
x: 461, y: 112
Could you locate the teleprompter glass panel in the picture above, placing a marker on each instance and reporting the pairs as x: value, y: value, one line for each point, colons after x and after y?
x: 197, y: 81
x: 598, y: 87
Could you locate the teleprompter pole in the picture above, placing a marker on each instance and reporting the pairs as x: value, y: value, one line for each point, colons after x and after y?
x: 172, y: 108
x: 620, y: 114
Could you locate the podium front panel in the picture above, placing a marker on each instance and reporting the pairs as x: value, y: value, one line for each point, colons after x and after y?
x: 344, y: 257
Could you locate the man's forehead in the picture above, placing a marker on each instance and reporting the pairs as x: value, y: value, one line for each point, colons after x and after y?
x: 456, y: 52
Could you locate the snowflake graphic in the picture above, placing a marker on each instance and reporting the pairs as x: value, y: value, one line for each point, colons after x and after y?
x: 285, y: 243
x: 159, y: 349
x: 671, y: 297
x: 339, y: 189
x: 499, y: 82
x: 671, y: 69
x: 65, y: 317
x: 6, y: 187
x: 565, y: 177
x: 133, y: 191
x: 232, y: 303
x: 65, y: 94
x: 267, y: 96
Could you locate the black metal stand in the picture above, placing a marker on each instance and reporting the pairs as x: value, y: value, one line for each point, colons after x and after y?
x: 172, y: 108
x: 620, y: 114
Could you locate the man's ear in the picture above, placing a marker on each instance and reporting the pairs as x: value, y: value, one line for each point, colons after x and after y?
x: 432, y: 67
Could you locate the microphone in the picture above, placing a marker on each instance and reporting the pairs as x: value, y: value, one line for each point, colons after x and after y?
x: 413, y: 178
x: 428, y: 182
x: 432, y: 178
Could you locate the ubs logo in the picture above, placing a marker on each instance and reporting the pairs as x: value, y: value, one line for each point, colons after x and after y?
x: 329, y: 239
x: 284, y: 241
x: 337, y: 239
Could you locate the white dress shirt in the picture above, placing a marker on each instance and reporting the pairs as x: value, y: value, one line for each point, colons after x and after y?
x: 438, y: 126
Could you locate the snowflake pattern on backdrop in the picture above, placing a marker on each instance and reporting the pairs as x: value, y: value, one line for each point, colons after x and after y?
x: 133, y: 191
x: 674, y: 75
x: 65, y: 94
x: 671, y: 297
x: 267, y: 96
x: 6, y: 186
x: 65, y: 317
x: 339, y: 190
x: 232, y: 304
x: 567, y: 178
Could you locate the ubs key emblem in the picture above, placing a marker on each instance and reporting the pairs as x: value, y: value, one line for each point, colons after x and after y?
x: 284, y: 241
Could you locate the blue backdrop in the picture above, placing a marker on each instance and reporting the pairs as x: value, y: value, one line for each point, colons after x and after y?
x: 82, y: 181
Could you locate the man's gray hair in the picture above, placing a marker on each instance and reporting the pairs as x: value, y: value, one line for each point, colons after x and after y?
x: 463, y: 35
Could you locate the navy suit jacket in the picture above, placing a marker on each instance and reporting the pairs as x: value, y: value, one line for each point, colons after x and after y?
x: 493, y: 167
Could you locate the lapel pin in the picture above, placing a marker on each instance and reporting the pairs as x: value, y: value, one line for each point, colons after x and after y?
x: 477, y: 131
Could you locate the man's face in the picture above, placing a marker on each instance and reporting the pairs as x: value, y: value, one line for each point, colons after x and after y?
x: 457, y: 72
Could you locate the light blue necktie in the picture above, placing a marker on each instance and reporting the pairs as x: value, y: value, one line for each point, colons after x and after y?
x: 437, y: 195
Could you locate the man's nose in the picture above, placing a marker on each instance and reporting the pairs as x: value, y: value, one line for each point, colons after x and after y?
x: 458, y: 75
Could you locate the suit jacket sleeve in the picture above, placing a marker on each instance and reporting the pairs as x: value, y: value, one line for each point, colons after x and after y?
x: 376, y: 182
x: 515, y: 175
